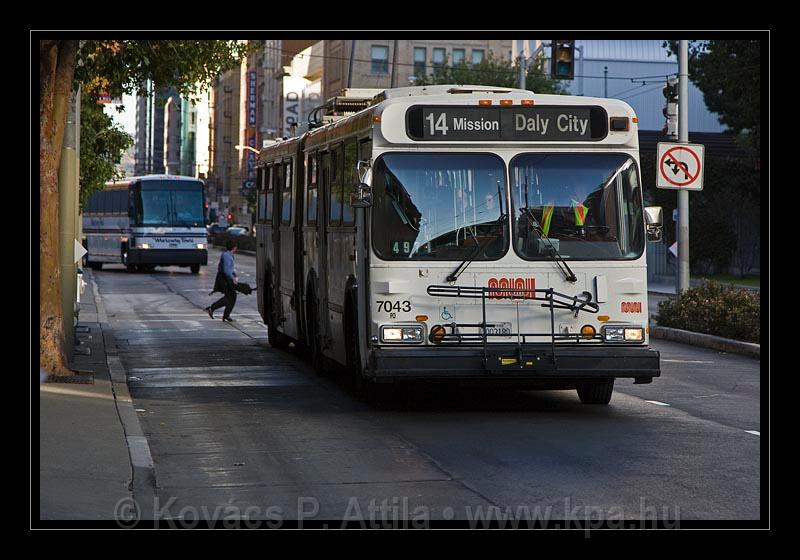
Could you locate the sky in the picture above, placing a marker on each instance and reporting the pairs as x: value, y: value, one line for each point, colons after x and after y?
x: 127, y: 118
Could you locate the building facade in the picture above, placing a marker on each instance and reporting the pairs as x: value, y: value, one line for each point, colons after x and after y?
x: 398, y: 63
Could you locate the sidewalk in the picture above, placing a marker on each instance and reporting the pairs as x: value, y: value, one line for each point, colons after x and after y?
x: 85, y: 467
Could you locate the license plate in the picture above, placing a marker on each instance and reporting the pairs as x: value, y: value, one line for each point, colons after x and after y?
x: 498, y: 328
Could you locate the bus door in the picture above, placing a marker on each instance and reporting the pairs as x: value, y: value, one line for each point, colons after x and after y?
x: 338, y: 250
x: 285, y: 252
x: 322, y: 247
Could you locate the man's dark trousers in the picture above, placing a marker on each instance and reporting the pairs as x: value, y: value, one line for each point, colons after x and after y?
x: 228, y: 300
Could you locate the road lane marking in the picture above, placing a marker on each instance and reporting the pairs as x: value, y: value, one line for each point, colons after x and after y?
x: 754, y: 432
x: 687, y: 361
x: 659, y: 403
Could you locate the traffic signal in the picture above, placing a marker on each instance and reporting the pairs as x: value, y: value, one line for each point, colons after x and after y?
x: 670, y: 110
x: 562, y: 63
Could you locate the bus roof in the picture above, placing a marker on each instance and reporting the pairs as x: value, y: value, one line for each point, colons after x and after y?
x: 386, y: 114
x: 163, y: 177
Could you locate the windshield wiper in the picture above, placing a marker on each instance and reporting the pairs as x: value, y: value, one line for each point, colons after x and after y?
x: 453, y: 276
x: 557, y: 258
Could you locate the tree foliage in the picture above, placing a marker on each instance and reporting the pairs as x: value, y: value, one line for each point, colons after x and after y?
x: 728, y: 73
x: 493, y: 71
x: 124, y: 66
x: 102, y: 146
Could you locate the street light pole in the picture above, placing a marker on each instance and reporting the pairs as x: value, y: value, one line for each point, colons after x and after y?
x: 683, y: 195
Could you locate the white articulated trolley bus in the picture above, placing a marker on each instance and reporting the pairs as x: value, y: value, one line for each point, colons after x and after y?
x: 149, y: 221
x: 462, y: 232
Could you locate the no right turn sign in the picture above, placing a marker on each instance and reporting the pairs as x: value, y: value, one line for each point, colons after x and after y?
x: 680, y: 166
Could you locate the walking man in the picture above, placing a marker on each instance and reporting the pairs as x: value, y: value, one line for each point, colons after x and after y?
x: 226, y: 283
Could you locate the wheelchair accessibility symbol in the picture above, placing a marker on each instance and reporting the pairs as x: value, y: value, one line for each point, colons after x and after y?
x: 446, y: 316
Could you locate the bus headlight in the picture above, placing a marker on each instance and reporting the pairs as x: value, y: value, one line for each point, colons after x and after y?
x: 144, y: 246
x: 623, y: 334
x: 201, y: 245
x: 409, y: 335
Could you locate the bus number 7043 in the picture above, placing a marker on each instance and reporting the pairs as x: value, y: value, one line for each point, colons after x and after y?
x: 387, y: 305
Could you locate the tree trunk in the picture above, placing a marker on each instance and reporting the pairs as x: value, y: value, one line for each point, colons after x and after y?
x: 56, y: 70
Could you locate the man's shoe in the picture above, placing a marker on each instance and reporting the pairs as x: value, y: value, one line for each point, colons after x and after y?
x: 209, y: 311
x: 228, y: 319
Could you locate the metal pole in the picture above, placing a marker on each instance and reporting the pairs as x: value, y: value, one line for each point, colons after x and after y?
x: 605, y: 81
x: 521, y: 69
x: 67, y: 187
x: 394, y: 63
x: 580, y: 83
x: 683, y: 195
x: 350, y: 71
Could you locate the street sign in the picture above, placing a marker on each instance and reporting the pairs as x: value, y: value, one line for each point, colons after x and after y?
x: 674, y: 249
x: 80, y: 250
x: 680, y: 166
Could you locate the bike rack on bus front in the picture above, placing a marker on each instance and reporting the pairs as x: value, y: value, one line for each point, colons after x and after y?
x: 553, y: 300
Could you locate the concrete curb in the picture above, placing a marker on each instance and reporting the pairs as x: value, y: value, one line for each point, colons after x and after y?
x: 143, y: 483
x: 706, y: 341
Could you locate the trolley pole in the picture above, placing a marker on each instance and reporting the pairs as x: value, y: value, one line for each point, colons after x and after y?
x: 683, y: 138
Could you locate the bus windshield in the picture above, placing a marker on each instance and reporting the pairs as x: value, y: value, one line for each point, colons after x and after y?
x: 589, y: 206
x: 170, y: 204
x: 439, y: 206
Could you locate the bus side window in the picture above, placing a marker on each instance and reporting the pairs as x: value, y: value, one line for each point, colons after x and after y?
x: 335, y: 199
x: 105, y: 203
x: 311, y: 215
x: 269, y: 195
x: 261, y: 210
x: 349, y: 180
x: 286, y: 207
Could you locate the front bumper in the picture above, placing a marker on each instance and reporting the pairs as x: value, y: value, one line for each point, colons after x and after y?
x: 531, y: 362
x: 168, y: 257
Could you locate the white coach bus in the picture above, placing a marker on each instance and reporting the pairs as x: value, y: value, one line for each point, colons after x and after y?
x: 144, y: 222
x: 461, y: 232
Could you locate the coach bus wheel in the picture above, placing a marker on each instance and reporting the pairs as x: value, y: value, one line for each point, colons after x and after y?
x: 595, y: 393
x: 195, y: 268
x: 130, y: 267
x: 96, y: 265
x: 314, y: 350
x: 365, y: 388
x: 276, y: 339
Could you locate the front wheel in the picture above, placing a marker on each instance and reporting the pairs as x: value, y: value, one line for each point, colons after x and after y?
x: 195, y: 268
x: 595, y: 393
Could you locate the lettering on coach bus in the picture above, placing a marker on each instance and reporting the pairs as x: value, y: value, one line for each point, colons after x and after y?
x: 512, y: 284
x: 576, y: 123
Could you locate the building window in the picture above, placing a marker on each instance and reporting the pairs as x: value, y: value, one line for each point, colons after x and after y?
x: 458, y: 56
x: 438, y: 60
x: 477, y: 56
x: 380, y: 59
x: 420, y: 55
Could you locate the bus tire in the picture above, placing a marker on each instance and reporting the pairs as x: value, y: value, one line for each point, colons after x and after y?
x: 195, y: 268
x: 130, y: 268
x: 276, y: 339
x: 96, y: 265
x: 595, y: 393
x: 312, y: 327
x: 365, y: 388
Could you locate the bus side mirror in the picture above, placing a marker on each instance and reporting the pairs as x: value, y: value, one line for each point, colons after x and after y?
x: 361, y: 196
x: 654, y: 220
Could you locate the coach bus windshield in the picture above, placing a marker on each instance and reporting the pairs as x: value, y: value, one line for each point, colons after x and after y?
x: 439, y: 206
x: 170, y: 203
x: 588, y: 205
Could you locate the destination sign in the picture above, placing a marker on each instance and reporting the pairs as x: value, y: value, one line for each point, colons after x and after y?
x: 514, y: 123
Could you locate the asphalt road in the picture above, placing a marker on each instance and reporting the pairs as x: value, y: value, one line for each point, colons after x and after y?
x: 238, y: 427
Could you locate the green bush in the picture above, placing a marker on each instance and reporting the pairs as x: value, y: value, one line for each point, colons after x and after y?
x: 714, y: 308
x: 244, y: 242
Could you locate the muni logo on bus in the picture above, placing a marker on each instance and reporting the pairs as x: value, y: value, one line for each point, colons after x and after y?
x: 513, y: 284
